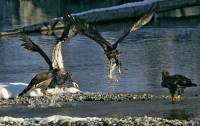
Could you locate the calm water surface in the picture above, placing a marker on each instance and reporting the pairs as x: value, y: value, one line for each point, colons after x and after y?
x: 163, y: 44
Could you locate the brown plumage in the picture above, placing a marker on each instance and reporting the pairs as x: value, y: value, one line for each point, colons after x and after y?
x: 44, y: 80
x: 111, y: 51
x: 56, y: 76
x: 176, y: 84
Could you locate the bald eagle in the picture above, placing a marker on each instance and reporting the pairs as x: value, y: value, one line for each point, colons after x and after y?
x: 80, y: 26
x: 176, y: 84
x: 56, y: 76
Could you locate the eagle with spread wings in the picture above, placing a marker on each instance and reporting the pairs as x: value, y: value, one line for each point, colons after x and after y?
x: 79, y: 26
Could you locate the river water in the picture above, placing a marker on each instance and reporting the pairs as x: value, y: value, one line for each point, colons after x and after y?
x: 171, y: 44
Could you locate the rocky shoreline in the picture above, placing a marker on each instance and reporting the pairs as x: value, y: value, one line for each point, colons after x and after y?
x: 58, y: 120
x: 86, y: 96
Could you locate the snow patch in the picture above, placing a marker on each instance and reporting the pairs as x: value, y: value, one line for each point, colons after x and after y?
x: 19, y: 83
x: 53, y: 91
x: 54, y: 118
x: 34, y: 93
x: 72, y: 90
x: 14, y: 87
x: 4, y: 93
x: 11, y: 119
x: 57, y: 90
x: 123, y: 6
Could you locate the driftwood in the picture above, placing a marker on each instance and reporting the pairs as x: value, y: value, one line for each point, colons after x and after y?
x: 129, y: 10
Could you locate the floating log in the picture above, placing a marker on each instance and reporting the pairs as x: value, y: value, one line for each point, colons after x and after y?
x: 124, y: 11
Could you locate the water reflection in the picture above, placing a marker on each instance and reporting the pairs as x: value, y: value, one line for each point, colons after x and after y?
x: 179, y: 114
x: 30, y: 14
x: 23, y: 12
x: 183, y: 12
x: 20, y: 12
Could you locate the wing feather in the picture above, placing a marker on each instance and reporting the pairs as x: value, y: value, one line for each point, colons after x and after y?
x: 141, y: 22
x: 30, y: 45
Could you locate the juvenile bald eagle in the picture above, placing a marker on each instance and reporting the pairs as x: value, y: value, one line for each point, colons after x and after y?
x: 176, y: 84
x: 56, y: 76
x: 111, y: 51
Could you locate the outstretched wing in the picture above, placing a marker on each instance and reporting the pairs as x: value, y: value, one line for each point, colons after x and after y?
x: 67, y: 25
x: 30, y: 45
x: 91, y: 32
x: 142, y: 21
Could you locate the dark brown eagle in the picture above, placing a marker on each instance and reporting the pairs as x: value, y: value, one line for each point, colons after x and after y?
x: 56, y: 76
x: 176, y: 84
x: 79, y: 26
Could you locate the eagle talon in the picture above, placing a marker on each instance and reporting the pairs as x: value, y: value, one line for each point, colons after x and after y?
x: 119, y: 71
x: 110, y: 77
x: 111, y: 69
x: 176, y: 99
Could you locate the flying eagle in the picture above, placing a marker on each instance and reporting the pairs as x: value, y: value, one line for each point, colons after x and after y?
x: 79, y: 26
x: 176, y: 84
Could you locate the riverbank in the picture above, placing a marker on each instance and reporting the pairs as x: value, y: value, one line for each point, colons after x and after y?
x: 94, y: 121
x: 86, y: 96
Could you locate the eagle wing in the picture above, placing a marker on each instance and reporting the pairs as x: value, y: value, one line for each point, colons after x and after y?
x: 30, y: 45
x: 141, y: 22
x: 183, y: 81
x: 91, y: 32
x: 41, y: 80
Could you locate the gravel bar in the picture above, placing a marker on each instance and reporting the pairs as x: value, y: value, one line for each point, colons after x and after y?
x: 86, y: 96
x: 58, y: 120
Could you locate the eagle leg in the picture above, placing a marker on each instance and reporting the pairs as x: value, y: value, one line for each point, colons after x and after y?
x: 111, y: 70
x: 176, y: 98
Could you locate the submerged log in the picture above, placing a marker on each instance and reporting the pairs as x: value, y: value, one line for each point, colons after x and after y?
x: 124, y: 11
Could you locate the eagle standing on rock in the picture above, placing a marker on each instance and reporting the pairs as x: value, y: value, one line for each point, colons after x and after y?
x: 176, y: 84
